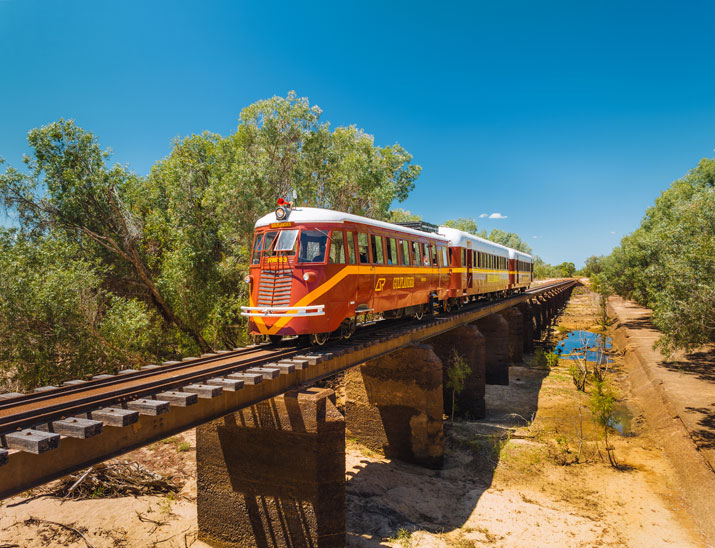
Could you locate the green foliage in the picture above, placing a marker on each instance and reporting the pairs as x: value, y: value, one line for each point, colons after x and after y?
x: 509, y: 239
x: 592, y: 266
x: 540, y: 359
x: 668, y: 263
x: 544, y: 270
x: 403, y: 537
x: 56, y: 320
x: 457, y: 373
x: 399, y: 215
x: 466, y: 225
x: 128, y: 268
x: 602, y: 402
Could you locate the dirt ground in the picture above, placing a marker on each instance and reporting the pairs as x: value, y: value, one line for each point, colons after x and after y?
x: 533, y: 473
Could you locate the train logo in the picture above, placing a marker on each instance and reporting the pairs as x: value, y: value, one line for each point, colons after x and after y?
x: 380, y: 284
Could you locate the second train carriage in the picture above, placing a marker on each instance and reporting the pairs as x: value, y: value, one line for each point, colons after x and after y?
x: 314, y: 271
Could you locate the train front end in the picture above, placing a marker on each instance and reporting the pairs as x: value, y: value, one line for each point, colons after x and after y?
x: 287, y: 275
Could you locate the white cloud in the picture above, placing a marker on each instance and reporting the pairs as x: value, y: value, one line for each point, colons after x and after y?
x: 497, y: 216
x: 612, y: 232
x: 483, y: 215
x: 536, y: 237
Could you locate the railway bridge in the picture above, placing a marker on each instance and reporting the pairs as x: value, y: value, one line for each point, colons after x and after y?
x: 270, y: 446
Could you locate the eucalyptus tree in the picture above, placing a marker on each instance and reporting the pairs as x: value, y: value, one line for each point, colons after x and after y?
x: 69, y: 190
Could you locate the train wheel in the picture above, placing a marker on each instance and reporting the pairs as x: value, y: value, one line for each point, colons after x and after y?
x: 347, y: 328
x: 420, y: 314
x: 319, y: 338
x: 446, y: 306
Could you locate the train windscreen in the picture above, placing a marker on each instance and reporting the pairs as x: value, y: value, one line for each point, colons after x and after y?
x: 286, y: 241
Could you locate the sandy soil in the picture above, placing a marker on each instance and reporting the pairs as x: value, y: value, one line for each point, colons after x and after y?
x: 515, y: 479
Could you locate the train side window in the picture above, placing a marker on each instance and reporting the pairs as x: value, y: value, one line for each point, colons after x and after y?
x: 312, y: 246
x: 405, y: 247
x: 337, y: 248
x: 351, y: 247
x: 445, y: 261
x: 362, y: 248
x: 391, y: 248
x: 416, y: 254
x: 425, y: 254
x: 464, y: 257
x: 377, y: 253
x: 433, y: 248
x: 257, y: 249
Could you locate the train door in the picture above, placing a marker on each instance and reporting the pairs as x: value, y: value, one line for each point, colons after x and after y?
x: 470, y: 265
x: 366, y: 273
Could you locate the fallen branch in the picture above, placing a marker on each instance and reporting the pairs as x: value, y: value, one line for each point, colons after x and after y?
x: 68, y: 527
x: 114, y: 480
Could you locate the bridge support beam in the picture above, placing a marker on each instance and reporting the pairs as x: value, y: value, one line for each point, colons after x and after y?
x: 394, y: 405
x: 471, y: 346
x: 516, y: 335
x: 540, y: 316
x: 527, y: 315
x: 273, y: 475
x: 495, y: 329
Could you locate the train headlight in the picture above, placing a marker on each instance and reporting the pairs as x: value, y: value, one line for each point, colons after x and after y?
x: 248, y: 279
x: 281, y: 213
x: 310, y: 277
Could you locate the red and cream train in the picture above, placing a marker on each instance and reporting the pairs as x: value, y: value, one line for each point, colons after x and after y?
x: 316, y: 271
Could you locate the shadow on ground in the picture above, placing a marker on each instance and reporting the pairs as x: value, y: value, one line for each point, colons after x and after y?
x: 698, y: 364
x: 704, y: 437
x: 384, y: 497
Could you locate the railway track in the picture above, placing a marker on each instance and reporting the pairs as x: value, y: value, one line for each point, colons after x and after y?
x: 33, y: 423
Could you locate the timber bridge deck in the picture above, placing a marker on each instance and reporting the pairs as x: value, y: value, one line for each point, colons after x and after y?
x: 54, y: 431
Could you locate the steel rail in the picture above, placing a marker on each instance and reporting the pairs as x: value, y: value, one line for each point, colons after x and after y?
x: 22, y: 470
x: 127, y: 388
x: 64, y: 389
x: 118, y: 396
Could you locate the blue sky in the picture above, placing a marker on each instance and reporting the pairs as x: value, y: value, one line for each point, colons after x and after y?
x: 567, y: 118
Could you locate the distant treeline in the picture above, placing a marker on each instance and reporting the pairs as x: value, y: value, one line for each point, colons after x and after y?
x: 668, y: 263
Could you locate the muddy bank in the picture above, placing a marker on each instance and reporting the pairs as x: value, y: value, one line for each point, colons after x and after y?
x: 532, y: 473
x: 677, y: 398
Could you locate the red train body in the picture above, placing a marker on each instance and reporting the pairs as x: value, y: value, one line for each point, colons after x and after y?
x: 314, y: 271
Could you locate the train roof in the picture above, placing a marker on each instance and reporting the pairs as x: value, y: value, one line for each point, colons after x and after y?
x: 519, y: 255
x: 302, y: 215
x: 459, y: 238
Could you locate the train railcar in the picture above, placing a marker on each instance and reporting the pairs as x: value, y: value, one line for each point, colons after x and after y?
x: 314, y: 271
x: 521, y: 270
x: 479, y: 267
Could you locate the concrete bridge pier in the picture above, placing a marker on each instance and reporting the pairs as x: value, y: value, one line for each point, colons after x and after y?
x: 515, y: 348
x: 394, y: 405
x: 470, y: 344
x: 527, y: 315
x: 552, y: 303
x: 495, y: 329
x: 273, y: 475
x: 539, y: 316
